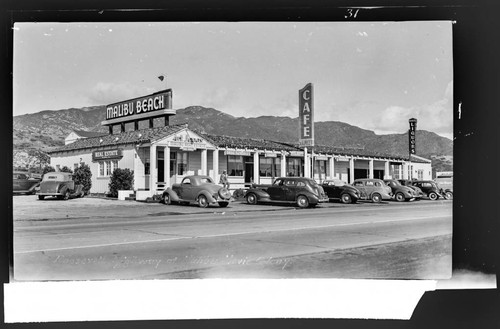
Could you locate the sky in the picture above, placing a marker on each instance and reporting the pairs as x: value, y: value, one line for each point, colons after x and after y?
x: 375, y: 75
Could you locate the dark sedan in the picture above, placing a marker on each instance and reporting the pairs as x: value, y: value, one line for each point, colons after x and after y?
x: 429, y: 188
x: 304, y: 192
x: 22, y: 183
x: 337, y: 189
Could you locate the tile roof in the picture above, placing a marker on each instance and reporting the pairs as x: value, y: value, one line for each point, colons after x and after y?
x: 83, y: 133
x: 153, y: 134
x: 138, y: 136
x: 250, y: 143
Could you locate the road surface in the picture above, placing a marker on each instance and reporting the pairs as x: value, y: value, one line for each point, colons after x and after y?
x: 65, y: 240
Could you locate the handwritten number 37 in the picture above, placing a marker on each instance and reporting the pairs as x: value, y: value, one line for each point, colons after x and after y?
x: 351, y: 13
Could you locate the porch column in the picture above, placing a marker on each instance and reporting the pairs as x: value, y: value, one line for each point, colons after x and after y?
x: 203, y: 162
x: 370, y: 168
x: 387, y: 174
x: 215, y: 164
x: 405, y: 170
x: 331, y: 166
x: 283, y: 165
x: 153, y: 172
x: 351, y: 170
x: 307, y: 164
x: 166, y: 166
x: 256, y: 178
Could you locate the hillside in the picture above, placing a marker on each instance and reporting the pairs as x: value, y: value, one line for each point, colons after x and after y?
x: 46, y: 130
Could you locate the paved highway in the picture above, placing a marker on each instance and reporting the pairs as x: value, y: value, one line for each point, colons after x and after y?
x: 114, y: 240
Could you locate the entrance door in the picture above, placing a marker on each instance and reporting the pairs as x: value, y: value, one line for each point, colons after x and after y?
x: 173, y: 167
x: 249, y: 173
x: 161, y: 171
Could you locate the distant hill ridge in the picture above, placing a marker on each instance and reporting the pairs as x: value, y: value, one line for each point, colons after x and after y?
x: 47, y: 129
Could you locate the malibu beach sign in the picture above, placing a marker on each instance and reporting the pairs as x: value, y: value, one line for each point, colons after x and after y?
x: 146, y: 104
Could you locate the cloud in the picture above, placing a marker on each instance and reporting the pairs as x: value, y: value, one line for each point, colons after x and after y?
x: 436, y: 117
x: 107, y: 93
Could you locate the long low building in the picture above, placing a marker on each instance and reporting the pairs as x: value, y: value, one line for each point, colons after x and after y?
x: 162, y: 156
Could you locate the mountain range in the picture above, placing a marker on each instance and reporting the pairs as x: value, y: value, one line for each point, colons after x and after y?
x: 36, y: 133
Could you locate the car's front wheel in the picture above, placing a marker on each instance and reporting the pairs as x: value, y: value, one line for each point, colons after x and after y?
x: 202, y: 201
x: 448, y: 195
x: 346, y: 198
x: 400, y: 197
x: 433, y: 196
x: 251, y: 198
x: 376, y: 198
x: 166, y: 199
x: 302, y: 201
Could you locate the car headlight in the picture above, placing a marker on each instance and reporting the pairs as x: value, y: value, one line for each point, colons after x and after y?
x: 224, y: 193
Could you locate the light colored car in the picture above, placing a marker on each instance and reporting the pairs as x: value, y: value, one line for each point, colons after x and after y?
x: 199, y: 189
x: 60, y: 185
x: 373, y: 189
x: 401, y: 193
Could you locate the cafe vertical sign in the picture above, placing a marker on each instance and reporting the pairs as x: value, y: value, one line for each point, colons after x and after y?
x: 306, y: 116
x: 411, y: 135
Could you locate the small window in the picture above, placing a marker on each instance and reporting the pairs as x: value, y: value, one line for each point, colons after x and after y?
x: 290, y: 182
x: 186, y: 181
x: 278, y: 182
x: 369, y: 183
x: 301, y: 184
x: 377, y: 184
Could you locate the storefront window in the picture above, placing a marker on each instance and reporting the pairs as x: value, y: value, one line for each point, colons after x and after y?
x: 294, y: 167
x: 269, y: 167
x: 146, y: 161
x: 235, y: 165
x: 101, y: 169
x: 108, y: 168
x: 320, y: 169
x: 182, y: 163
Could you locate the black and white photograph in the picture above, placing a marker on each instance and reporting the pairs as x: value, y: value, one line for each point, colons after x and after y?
x: 199, y: 151
x: 233, y: 150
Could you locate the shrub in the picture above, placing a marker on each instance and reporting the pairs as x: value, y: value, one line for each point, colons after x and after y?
x: 83, y: 176
x: 66, y: 169
x: 47, y: 169
x: 121, y: 179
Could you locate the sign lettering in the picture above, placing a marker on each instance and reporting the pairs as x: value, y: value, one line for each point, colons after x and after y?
x: 107, y: 154
x: 306, y: 116
x: 412, y: 135
x: 137, y: 106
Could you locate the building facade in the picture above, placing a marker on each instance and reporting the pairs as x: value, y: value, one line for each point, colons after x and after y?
x: 164, y: 155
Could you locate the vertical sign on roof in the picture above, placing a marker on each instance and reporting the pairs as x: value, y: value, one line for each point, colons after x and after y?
x: 411, y: 135
x: 306, y: 116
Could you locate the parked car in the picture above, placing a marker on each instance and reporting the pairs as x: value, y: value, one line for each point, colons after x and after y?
x: 199, y: 189
x: 429, y: 188
x: 401, y: 193
x: 305, y: 192
x: 338, y: 189
x: 408, y: 183
x: 60, y: 185
x: 23, y: 183
x: 373, y: 189
x: 445, y: 183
